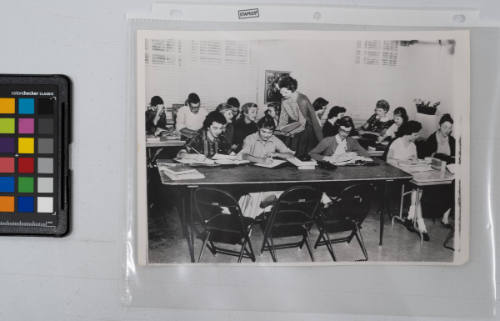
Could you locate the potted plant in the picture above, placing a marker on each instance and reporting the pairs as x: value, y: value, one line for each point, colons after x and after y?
x: 426, y: 108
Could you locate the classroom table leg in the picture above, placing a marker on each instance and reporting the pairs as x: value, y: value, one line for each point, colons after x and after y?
x: 385, y: 209
x: 185, y: 216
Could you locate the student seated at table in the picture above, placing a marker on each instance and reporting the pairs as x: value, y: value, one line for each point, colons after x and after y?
x: 441, y: 145
x: 263, y: 146
x: 338, y: 148
x: 190, y: 117
x: 403, y: 149
x: 335, y: 113
x: 228, y: 133
x: 376, y: 125
x: 245, y: 125
x: 235, y: 106
x: 319, y: 106
x: 400, y: 117
x: 156, y: 119
x: 207, y: 142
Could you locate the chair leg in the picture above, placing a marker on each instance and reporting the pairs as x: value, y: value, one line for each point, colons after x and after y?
x: 306, y: 240
x: 329, y: 245
x: 252, y: 254
x: 213, y: 248
x: 361, y: 242
x: 271, y: 249
x: 243, y: 246
x: 203, y: 246
x: 321, y: 231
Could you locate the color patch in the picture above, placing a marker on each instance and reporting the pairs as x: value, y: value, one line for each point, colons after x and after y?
x: 45, y: 204
x: 7, y: 105
x: 45, y: 185
x: 7, y: 204
x: 45, y: 145
x: 7, y: 126
x: 7, y: 145
x: 26, y: 106
x: 26, y: 145
x: 6, y: 164
x: 45, y: 165
x: 46, y: 106
x: 25, y: 204
x: 25, y: 165
x: 26, y: 126
x: 45, y: 126
x: 25, y: 184
x: 7, y: 184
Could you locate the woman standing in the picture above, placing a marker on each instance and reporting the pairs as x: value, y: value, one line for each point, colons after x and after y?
x: 298, y: 121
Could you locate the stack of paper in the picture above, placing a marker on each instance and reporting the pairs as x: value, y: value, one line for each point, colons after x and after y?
x: 302, y: 164
x: 275, y: 162
x: 176, y: 173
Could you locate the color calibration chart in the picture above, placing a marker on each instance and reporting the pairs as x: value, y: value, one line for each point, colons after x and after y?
x: 34, y: 182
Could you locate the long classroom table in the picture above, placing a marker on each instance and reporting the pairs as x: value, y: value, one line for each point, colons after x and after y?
x: 249, y: 178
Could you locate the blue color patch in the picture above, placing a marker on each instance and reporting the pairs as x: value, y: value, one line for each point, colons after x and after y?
x: 7, y: 184
x: 25, y: 204
x: 26, y: 106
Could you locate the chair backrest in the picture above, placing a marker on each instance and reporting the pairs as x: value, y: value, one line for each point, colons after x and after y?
x: 296, y: 206
x: 354, y: 202
x: 211, y: 202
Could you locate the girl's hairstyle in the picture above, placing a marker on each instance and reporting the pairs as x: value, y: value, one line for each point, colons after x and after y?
x: 155, y: 101
x: 276, y: 106
x: 382, y: 103
x: 222, y: 107
x: 445, y: 118
x: 234, y: 102
x: 193, y: 98
x: 266, y: 122
x: 409, y: 128
x: 214, y: 117
x: 319, y: 103
x: 335, y: 111
x: 247, y: 106
x: 401, y: 112
x: 345, y: 121
x: 288, y: 83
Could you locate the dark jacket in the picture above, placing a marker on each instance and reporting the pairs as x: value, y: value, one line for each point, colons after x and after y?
x: 329, y: 129
x: 431, y: 146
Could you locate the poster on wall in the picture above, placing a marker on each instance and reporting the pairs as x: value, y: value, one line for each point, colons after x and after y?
x: 345, y: 170
x: 272, y: 94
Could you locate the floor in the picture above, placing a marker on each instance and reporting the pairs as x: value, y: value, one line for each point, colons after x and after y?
x: 167, y: 244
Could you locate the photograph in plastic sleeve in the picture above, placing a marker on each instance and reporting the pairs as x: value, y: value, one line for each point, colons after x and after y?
x: 302, y: 147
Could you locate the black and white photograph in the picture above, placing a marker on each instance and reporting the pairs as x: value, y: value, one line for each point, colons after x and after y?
x: 302, y: 147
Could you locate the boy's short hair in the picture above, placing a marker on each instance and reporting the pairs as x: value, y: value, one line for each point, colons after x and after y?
x: 193, y: 98
x: 155, y: 101
x: 233, y: 101
x: 214, y: 116
x: 266, y: 122
x: 247, y: 106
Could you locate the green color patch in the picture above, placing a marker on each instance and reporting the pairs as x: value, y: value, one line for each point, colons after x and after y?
x: 7, y: 126
x: 25, y: 185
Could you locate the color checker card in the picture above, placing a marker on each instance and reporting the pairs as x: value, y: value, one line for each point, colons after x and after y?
x: 35, y: 177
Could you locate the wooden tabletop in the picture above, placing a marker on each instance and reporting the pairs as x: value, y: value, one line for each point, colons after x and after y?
x: 289, y: 174
x: 164, y: 143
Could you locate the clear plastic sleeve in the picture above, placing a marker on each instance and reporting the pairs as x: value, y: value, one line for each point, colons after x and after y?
x: 466, y: 288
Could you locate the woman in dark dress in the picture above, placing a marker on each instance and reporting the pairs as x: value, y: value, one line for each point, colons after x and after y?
x: 329, y: 128
x: 298, y: 121
x: 439, y: 200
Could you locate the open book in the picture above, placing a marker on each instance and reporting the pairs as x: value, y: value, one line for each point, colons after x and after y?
x: 229, y: 159
x: 276, y: 162
x: 303, y: 164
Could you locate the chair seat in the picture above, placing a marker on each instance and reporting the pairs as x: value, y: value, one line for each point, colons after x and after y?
x: 228, y: 223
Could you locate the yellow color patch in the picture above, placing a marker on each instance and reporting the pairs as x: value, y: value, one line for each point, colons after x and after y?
x: 26, y: 145
x: 7, y: 105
